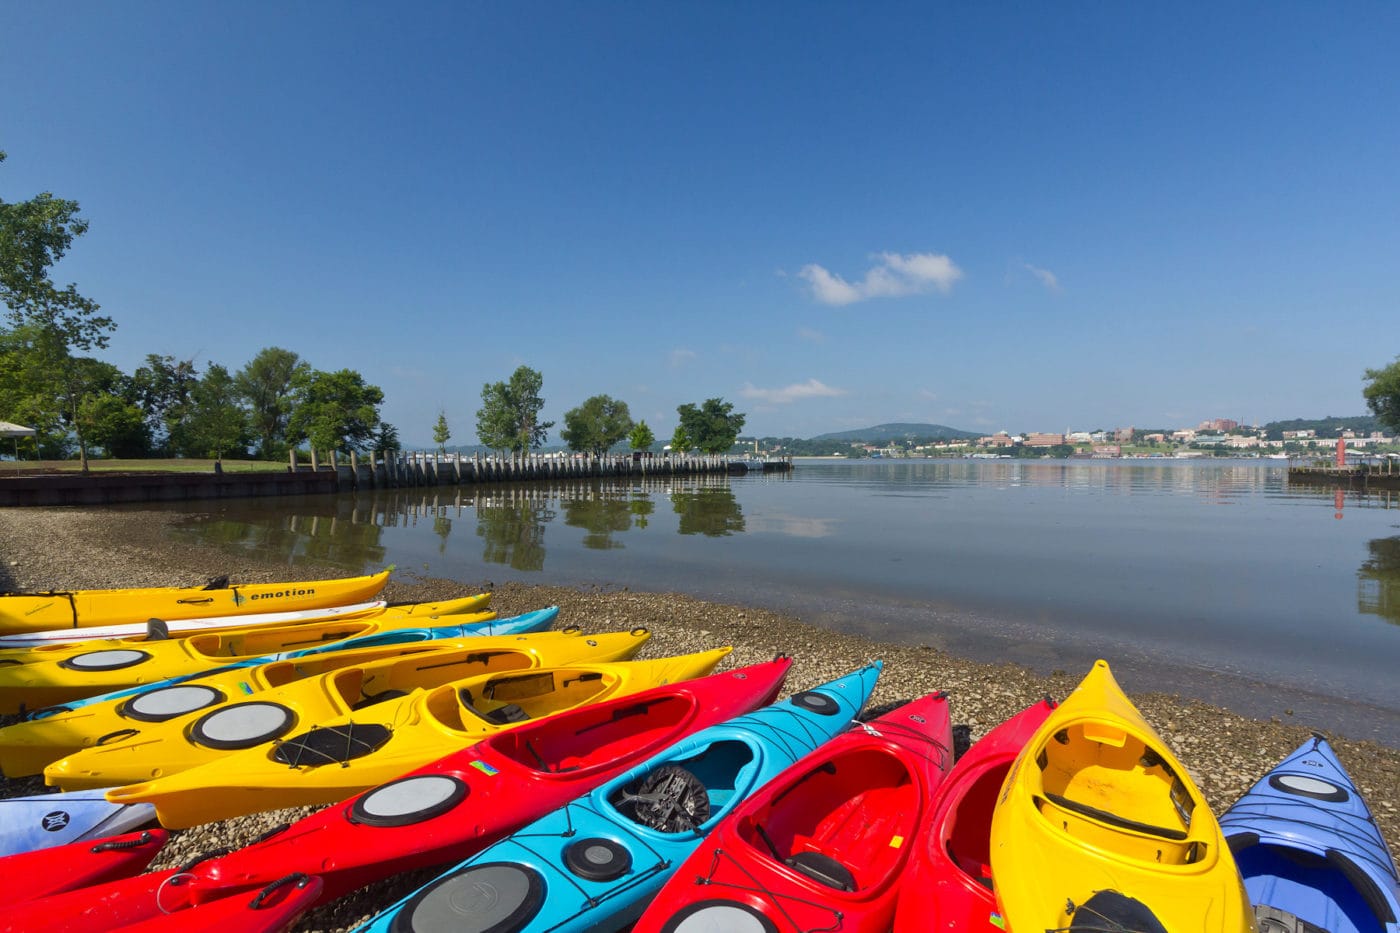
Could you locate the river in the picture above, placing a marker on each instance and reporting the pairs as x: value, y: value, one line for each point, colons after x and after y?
x: 1214, y: 579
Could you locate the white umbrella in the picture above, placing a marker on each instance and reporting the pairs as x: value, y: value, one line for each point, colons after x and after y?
x: 16, y: 431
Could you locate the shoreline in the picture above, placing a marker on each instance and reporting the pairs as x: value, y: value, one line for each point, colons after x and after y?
x: 1225, y: 751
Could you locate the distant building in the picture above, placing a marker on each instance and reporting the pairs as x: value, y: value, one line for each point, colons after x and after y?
x: 1155, y: 438
x: 1218, y: 425
x: 1044, y: 440
x: 1000, y: 439
x: 1299, y: 435
x: 1123, y: 435
x: 1108, y: 450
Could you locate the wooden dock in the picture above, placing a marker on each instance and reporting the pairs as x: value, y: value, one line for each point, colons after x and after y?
x: 375, y: 472
x: 1352, y: 477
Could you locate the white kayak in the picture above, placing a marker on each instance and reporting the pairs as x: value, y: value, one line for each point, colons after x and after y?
x: 44, y: 820
x: 181, y: 627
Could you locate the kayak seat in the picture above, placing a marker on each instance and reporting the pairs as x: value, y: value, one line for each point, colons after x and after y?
x: 869, y: 831
x: 501, y: 715
x: 507, y: 714
x: 823, y: 869
x: 380, y: 697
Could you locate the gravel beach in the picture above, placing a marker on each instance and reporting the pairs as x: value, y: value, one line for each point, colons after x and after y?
x: 57, y: 548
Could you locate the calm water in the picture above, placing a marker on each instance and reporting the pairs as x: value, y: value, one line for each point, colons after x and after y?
x: 1213, y: 579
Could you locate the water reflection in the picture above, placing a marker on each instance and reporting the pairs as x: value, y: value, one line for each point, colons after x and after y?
x: 1378, y: 580
x: 601, y: 512
x: 1214, y: 480
x: 513, y: 530
x: 317, y: 535
x: 712, y: 512
x: 510, y: 520
x: 1340, y: 496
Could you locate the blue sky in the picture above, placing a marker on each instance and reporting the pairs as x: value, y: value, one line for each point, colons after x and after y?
x: 1017, y: 216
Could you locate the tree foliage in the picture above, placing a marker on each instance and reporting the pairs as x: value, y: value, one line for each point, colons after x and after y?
x: 217, y: 422
x: 509, y: 416
x: 114, y: 424
x: 641, y: 437
x: 334, y: 411
x: 441, y: 432
x: 1382, y: 394
x: 162, y: 388
x: 596, y: 425
x: 54, y: 321
x: 680, y: 440
x: 386, y: 438
x: 265, y: 384
x: 713, y: 426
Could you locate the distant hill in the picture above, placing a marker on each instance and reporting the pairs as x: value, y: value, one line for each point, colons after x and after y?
x: 1325, y: 427
x: 884, y: 433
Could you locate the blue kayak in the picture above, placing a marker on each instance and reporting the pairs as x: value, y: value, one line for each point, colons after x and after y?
x: 44, y: 820
x: 595, y: 863
x: 1312, y: 857
x: 537, y: 621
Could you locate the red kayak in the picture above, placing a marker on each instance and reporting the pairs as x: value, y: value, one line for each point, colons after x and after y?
x: 440, y: 813
x: 272, y: 910
x: 823, y: 845
x: 948, y: 885
x: 43, y: 872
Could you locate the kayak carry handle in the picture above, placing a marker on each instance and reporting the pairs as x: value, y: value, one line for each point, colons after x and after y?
x: 300, y: 879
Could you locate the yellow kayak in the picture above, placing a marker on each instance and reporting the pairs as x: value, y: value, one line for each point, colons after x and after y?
x: 143, y: 751
x: 1099, y: 827
x: 37, y: 612
x: 59, y: 673
x: 184, y: 628
x: 53, y: 650
x: 26, y: 747
x: 348, y: 755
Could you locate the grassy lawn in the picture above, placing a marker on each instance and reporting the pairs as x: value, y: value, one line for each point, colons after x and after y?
x: 141, y: 466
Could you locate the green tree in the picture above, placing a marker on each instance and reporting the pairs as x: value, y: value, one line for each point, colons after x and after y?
x: 105, y: 414
x: 713, y: 427
x: 597, y: 424
x: 114, y: 424
x: 509, y: 416
x: 441, y: 433
x: 266, y: 385
x: 386, y: 439
x: 334, y: 411
x: 1382, y: 394
x: 34, y: 236
x: 161, y: 388
x: 680, y: 440
x: 25, y: 394
x: 641, y: 437
x: 217, y: 423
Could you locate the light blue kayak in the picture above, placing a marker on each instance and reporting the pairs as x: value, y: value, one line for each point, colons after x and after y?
x: 1312, y: 857
x: 537, y: 621
x: 44, y: 820
x: 595, y: 863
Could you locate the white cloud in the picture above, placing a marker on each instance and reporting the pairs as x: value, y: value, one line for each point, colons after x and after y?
x: 1047, y: 278
x: 681, y: 356
x: 895, y: 275
x: 788, y: 394
x: 814, y: 336
x: 928, y: 394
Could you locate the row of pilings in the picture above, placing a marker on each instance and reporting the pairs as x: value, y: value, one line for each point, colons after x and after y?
x: 378, y: 471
